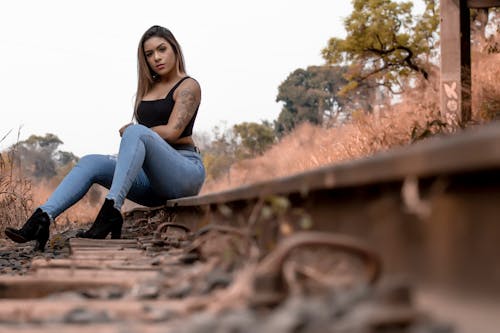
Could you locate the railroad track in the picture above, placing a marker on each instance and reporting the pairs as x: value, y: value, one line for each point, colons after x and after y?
x: 407, y: 239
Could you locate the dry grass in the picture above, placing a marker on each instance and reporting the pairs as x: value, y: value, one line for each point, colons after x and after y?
x: 15, y: 191
x: 15, y: 195
x: 309, y: 147
x: 485, y: 88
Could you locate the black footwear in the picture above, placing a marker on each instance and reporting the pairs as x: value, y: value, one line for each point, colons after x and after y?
x: 36, y: 228
x: 109, y: 219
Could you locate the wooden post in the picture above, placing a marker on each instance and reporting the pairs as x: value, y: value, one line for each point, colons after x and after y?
x: 455, y: 61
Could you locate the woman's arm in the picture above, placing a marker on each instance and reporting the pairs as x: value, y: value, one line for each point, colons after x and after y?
x: 121, y: 130
x: 187, y: 98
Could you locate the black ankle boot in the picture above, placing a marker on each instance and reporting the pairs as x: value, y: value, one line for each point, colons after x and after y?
x: 109, y: 219
x: 36, y: 228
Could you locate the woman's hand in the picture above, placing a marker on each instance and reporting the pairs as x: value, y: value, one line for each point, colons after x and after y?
x: 124, y: 127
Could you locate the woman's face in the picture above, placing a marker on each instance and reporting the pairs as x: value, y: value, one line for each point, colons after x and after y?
x: 160, y: 55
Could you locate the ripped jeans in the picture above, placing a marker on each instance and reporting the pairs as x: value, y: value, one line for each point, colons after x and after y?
x: 147, y: 171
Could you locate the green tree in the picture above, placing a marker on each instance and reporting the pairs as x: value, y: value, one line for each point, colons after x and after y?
x: 385, y: 43
x: 254, y: 138
x: 310, y: 95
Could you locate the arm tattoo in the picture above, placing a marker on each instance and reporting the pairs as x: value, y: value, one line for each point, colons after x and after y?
x: 187, y: 106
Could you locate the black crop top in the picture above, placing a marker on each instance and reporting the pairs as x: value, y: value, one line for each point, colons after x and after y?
x: 157, y: 112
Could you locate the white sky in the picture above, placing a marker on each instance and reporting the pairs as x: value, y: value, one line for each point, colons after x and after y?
x: 70, y: 67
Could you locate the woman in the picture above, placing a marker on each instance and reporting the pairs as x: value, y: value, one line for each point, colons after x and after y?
x: 157, y: 159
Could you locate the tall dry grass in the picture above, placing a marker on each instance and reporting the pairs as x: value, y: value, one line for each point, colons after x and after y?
x: 486, y: 86
x: 417, y: 117
x: 16, y: 199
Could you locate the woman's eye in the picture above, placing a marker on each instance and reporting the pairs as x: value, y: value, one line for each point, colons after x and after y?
x: 163, y: 48
x: 149, y: 54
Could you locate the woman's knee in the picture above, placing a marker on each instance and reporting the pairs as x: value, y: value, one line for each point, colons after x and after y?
x: 91, y: 158
x: 135, y: 130
x: 94, y: 161
x: 96, y: 168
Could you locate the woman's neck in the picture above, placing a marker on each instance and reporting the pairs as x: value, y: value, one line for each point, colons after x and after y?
x: 173, y: 76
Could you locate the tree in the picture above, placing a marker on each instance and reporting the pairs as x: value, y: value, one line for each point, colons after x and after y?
x: 385, y: 43
x: 310, y: 95
x: 220, y: 154
x: 230, y: 145
x: 38, y: 156
x: 485, y: 27
x: 254, y: 138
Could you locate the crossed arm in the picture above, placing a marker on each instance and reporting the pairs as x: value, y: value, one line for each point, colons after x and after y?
x: 187, y: 98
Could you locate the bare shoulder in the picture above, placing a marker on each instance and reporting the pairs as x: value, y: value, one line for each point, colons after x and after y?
x: 188, y: 88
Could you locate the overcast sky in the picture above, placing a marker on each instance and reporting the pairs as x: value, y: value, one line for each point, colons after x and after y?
x: 70, y: 67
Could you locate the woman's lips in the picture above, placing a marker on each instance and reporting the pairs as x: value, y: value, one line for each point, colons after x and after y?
x: 160, y: 66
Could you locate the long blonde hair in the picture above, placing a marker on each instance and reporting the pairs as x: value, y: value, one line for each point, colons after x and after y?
x: 146, y: 76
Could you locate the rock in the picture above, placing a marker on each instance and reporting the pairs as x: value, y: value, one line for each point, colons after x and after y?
x: 145, y: 291
x: 111, y: 292
x: 198, y: 323
x: 86, y: 316
x: 240, y: 321
x: 154, y: 314
x: 189, y: 258
x: 66, y: 296
x: 179, y: 291
x: 216, y: 279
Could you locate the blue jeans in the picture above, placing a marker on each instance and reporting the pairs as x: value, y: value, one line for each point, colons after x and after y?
x: 147, y: 171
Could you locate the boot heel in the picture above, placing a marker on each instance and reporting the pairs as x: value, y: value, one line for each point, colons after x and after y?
x: 40, y: 244
x: 116, y: 232
x: 109, y: 219
x: 41, y: 238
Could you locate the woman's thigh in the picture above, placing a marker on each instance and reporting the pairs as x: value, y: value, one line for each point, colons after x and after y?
x: 171, y: 173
